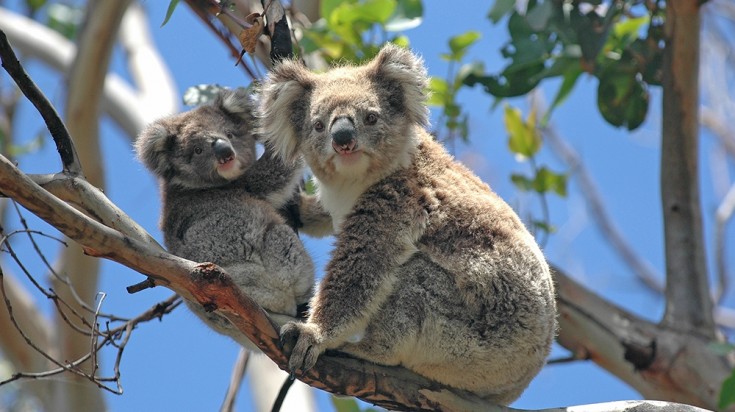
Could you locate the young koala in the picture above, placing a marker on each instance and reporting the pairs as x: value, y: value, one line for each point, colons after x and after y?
x: 220, y: 204
x: 431, y: 269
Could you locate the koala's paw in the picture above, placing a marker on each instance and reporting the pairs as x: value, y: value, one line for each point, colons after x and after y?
x: 308, y: 344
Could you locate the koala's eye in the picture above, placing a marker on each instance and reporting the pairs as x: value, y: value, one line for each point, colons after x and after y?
x: 198, y: 150
x: 230, y: 135
x: 319, y: 126
x: 371, y: 119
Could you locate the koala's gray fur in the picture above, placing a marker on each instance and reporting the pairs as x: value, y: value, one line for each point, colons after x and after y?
x: 431, y: 269
x: 220, y: 204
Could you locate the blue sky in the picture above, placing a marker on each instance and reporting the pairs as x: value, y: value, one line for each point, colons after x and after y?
x: 179, y: 364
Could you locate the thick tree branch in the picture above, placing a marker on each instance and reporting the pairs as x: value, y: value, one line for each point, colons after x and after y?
x: 658, y: 362
x: 688, y: 302
x: 156, y: 91
x: 95, y: 204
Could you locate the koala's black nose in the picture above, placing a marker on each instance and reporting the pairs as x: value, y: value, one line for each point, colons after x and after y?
x: 343, y: 131
x: 222, y: 149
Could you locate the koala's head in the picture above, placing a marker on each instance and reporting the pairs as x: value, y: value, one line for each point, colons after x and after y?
x: 204, y: 147
x: 349, y: 121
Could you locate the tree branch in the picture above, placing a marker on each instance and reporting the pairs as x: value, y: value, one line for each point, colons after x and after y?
x: 55, y: 125
x: 124, y: 105
x: 688, y: 302
x: 639, y: 266
x: 658, y: 362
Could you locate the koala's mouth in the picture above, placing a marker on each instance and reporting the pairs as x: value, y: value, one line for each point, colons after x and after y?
x: 228, y: 167
x: 345, y: 149
x: 225, y: 160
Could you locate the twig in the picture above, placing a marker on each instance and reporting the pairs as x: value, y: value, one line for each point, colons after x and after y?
x: 225, y: 36
x: 55, y: 125
x: 282, y: 393
x: 722, y: 216
x: 238, y: 373
x: 640, y: 267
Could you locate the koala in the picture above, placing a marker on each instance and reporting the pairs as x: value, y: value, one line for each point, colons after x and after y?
x: 220, y: 204
x: 431, y: 270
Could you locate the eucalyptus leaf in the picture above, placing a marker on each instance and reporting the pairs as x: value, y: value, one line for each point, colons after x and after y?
x: 500, y: 9
x: 170, y: 11
x: 408, y: 14
x: 727, y: 393
x: 459, y: 44
x: 523, y: 138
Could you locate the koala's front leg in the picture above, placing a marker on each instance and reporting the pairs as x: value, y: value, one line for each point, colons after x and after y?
x: 376, y: 238
x: 315, y: 221
x: 273, y: 179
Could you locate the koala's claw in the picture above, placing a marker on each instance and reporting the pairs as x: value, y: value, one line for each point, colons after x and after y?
x: 308, y: 346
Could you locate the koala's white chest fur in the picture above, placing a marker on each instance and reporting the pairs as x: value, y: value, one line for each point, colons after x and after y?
x: 339, y: 198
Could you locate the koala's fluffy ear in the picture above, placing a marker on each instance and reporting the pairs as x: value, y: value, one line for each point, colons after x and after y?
x: 282, y: 107
x: 394, y: 66
x: 152, y: 147
x: 236, y: 102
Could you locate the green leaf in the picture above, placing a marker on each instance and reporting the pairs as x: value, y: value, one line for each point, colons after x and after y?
x: 344, y: 404
x: 200, y: 94
x: 475, y: 68
x: 727, y: 393
x: 34, y: 5
x: 500, y: 8
x: 544, y: 226
x: 402, y: 41
x: 327, y: 7
x: 509, y: 83
x: 630, y: 28
x: 377, y: 11
x: 548, y: 181
x: 65, y: 19
x: 34, y: 145
x: 721, y: 348
x: 310, y: 186
x: 521, y: 182
x: 523, y: 138
x: 570, y: 79
x: 407, y: 15
x: 439, y: 91
x: 539, y: 16
x: 170, y: 11
x: 459, y: 44
x: 622, y: 98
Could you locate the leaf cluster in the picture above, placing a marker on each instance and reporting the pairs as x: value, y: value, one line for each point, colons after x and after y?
x: 619, y: 42
x: 354, y: 30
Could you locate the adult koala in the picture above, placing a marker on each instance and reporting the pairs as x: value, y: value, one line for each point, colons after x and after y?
x: 431, y: 269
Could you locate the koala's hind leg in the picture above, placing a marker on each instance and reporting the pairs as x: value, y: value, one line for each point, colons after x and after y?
x: 288, y: 263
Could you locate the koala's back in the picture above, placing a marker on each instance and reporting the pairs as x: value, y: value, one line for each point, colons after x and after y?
x: 474, y: 306
x: 222, y: 225
x: 245, y: 236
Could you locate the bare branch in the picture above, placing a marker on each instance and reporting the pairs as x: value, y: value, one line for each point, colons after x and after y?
x: 95, y: 204
x: 123, y: 104
x: 640, y: 267
x: 55, y: 126
x: 722, y: 216
x: 157, y: 94
x: 238, y: 373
